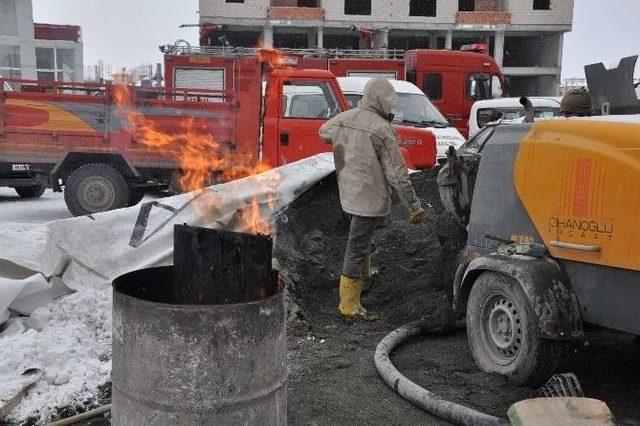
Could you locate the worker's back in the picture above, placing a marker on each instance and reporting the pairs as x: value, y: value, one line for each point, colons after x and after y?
x: 357, y: 136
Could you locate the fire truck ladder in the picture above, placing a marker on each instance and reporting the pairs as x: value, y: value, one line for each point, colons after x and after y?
x: 184, y: 48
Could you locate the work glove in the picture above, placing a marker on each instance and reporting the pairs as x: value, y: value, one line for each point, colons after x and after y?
x: 417, y: 216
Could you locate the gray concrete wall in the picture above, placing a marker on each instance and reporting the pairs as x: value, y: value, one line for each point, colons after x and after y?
x: 522, y: 13
x: 392, y: 11
x: 256, y: 9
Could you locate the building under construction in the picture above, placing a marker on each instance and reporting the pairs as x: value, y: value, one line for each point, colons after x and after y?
x: 524, y: 36
x: 36, y: 50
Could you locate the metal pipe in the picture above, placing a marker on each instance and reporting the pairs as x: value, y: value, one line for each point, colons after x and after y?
x: 528, y: 109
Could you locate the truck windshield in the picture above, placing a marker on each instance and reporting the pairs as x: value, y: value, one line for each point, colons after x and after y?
x: 412, y: 109
x: 416, y: 109
x: 487, y: 115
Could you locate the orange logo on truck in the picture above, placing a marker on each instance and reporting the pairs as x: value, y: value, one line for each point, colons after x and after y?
x: 581, y: 186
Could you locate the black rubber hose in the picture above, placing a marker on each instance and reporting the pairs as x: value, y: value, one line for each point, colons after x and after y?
x: 428, y: 401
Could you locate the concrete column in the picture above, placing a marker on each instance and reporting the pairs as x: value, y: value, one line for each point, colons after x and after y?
x: 487, y: 40
x: 79, y: 66
x: 267, y: 36
x: 362, y: 44
x: 498, y: 48
x: 24, y: 16
x: 448, y: 43
x: 380, y: 39
x: 320, y: 35
x: 559, y: 64
x: 560, y: 48
x: 312, y: 38
x: 433, y: 41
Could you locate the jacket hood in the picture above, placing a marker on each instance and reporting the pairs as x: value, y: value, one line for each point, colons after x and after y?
x: 379, y: 95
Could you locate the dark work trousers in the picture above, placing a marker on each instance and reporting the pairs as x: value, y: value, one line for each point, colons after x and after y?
x: 359, y: 244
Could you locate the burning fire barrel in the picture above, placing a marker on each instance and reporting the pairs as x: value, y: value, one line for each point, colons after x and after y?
x: 203, y: 341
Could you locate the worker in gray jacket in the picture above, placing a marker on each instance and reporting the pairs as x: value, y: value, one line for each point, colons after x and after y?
x: 368, y: 164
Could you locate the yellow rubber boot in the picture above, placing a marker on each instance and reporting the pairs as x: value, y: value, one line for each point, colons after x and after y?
x: 350, y: 307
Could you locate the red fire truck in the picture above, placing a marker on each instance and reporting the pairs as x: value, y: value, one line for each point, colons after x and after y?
x: 453, y: 80
x: 80, y: 137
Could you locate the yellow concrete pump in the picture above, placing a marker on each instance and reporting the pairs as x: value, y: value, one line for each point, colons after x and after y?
x: 552, y: 211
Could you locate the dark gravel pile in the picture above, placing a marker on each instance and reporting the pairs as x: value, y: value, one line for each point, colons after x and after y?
x: 410, y: 259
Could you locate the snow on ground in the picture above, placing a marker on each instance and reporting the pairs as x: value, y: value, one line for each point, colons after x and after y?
x: 70, y: 341
x: 38, y: 210
x: 50, y: 206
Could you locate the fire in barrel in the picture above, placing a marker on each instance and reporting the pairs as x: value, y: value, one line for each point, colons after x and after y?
x: 202, y: 341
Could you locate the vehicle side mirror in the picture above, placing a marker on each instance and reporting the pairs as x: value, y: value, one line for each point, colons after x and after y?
x: 496, y: 87
x: 473, y: 89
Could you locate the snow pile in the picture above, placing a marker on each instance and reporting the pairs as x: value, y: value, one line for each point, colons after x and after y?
x: 70, y: 341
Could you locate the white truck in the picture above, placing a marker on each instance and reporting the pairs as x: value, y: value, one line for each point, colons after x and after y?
x: 489, y: 110
x: 413, y: 109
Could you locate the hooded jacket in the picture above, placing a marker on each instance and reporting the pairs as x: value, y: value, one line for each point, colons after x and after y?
x: 366, y: 154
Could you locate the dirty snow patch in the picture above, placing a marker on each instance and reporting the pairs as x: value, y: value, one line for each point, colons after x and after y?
x: 70, y: 341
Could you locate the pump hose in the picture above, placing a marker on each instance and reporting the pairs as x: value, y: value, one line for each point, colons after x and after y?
x: 413, y: 393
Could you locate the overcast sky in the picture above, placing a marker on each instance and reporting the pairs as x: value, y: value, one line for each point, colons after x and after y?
x: 128, y: 32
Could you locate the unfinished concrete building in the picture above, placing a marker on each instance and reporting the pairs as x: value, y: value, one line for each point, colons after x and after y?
x: 37, y: 51
x: 524, y: 36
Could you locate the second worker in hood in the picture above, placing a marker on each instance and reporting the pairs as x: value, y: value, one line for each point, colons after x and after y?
x: 369, y: 165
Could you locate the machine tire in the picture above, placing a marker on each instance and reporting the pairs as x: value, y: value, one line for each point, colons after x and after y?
x: 135, y: 196
x: 95, y: 188
x: 34, y: 191
x: 502, y: 330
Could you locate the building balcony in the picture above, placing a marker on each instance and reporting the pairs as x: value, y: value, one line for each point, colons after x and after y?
x: 56, y: 32
x: 483, y: 18
x: 296, y: 13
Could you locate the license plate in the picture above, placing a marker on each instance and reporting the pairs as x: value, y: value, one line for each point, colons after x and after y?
x: 20, y: 167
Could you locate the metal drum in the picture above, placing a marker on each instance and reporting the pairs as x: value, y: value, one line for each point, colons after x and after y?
x: 195, y: 364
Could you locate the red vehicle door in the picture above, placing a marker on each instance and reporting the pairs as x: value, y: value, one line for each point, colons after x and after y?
x: 446, y: 89
x: 307, y: 103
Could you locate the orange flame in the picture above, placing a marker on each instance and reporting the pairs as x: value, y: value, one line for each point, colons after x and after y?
x: 202, y: 162
x: 272, y: 57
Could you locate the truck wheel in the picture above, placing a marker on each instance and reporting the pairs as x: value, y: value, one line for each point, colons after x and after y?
x: 95, y: 188
x: 34, y: 191
x: 502, y: 330
x: 135, y: 196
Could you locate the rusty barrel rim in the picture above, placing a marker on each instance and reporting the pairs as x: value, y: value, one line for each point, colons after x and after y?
x: 131, y: 277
